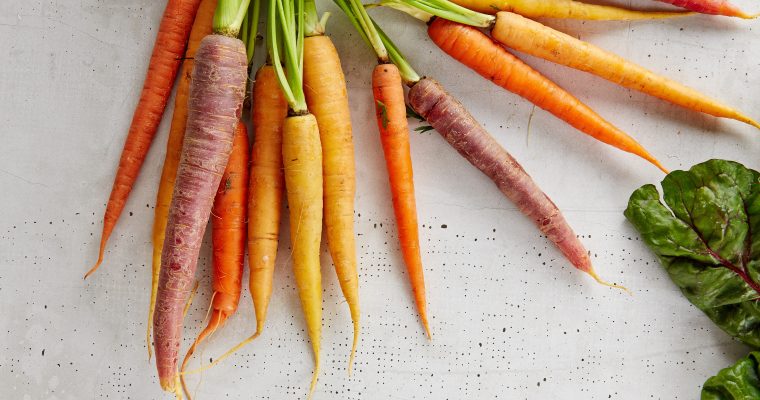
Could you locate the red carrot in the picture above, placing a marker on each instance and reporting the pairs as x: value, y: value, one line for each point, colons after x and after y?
x: 215, y: 105
x: 474, y: 143
x: 164, y: 62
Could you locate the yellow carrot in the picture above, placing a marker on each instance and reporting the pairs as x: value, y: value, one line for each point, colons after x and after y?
x: 569, y: 9
x: 533, y: 38
x: 326, y: 97
x: 302, y: 159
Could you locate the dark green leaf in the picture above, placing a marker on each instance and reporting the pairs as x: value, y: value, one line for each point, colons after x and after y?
x: 740, y: 381
x: 704, y: 239
x: 423, y: 128
x: 410, y: 113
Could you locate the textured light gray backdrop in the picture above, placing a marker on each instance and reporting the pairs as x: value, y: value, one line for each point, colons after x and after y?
x: 511, y: 318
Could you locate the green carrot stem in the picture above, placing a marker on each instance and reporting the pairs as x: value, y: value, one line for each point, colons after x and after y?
x: 229, y: 16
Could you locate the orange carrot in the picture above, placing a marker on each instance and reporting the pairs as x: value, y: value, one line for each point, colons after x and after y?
x: 266, y: 184
x: 475, y: 49
x: 201, y: 27
x: 228, y: 236
x: 167, y: 54
x: 390, y: 110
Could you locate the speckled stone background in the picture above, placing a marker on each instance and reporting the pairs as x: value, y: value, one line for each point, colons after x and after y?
x: 511, y: 318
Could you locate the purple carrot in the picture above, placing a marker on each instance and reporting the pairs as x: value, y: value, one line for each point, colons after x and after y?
x: 474, y: 143
x: 715, y: 7
x: 214, y: 108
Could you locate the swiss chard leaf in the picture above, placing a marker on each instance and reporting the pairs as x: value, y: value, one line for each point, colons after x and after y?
x: 708, y: 240
x: 740, y: 381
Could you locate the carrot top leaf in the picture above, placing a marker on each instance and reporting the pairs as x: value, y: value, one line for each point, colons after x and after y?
x: 250, y: 29
x: 443, y: 9
x: 705, y: 235
x: 410, y: 113
x: 313, y: 25
x: 229, y: 16
x: 285, y: 35
x: 374, y: 36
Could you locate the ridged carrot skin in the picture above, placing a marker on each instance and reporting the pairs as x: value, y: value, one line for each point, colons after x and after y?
x: 168, y: 50
x: 390, y: 110
x: 327, y: 98
x: 228, y: 238
x: 201, y: 27
x: 268, y: 113
x: 714, y: 7
x: 475, y: 144
x: 215, y: 105
x: 302, y: 161
x: 531, y: 37
x: 476, y: 50
x: 565, y: 9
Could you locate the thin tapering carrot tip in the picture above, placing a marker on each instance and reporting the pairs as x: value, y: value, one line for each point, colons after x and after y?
x: 427, y: 327
x: 353, y: 348
x: 660, y: 166
x: 94, y: 267
x: 605, y: 283
x: 744, y: 15
x: 168, y: 384
x: 314, y: 377
x: 147, y: 339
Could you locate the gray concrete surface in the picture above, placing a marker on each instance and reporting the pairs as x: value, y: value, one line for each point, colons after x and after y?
x: 511, y: 318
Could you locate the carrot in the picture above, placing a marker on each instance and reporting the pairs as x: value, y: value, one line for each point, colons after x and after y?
x: 715, y: 7
x: 201, y: 28
x: 215, y: 104
x: 533, y: 38
x: 228, y: 237
x: 302, y: 162
x: 390, y: 111
x: 266, y: 184
x: 462, y: 132
x: 565, y: 9
x: 327, y: 99
x: 171, y: 40
x: 473, y: 48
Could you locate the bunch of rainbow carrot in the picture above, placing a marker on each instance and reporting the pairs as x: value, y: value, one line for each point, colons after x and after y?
x: 303, y: 145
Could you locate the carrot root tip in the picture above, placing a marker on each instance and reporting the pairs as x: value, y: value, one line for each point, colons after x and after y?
x: 353, y: 348
x: 94, y: 267
x: 605, y: 283
x: 314, y: 377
